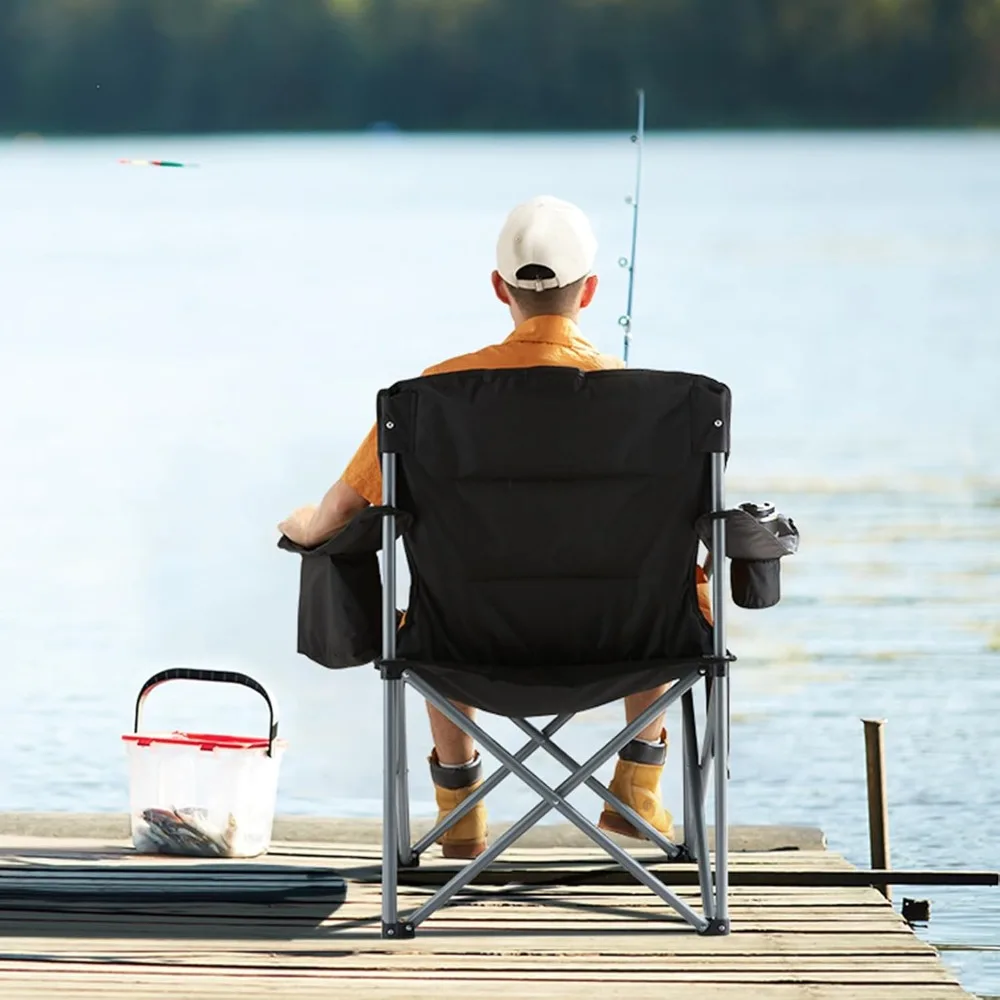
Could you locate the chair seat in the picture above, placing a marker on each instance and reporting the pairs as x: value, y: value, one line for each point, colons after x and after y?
x: 547, y: 689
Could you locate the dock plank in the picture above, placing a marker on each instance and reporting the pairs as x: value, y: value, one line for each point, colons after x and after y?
x: 788, y: 943
x: 184, y: 986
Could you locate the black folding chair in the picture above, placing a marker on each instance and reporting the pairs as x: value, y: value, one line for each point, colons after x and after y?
x: 552, y: 552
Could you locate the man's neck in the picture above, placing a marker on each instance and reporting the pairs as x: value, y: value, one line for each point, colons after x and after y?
x: 569, y: 317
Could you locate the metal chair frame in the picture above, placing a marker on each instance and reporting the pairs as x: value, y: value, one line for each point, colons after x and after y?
x: 699, y: 761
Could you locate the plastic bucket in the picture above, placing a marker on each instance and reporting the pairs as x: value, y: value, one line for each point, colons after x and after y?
x: 203, y: 794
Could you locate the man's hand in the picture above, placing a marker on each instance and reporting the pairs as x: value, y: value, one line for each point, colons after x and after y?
x: 299, y: 526
x: 311, y: 526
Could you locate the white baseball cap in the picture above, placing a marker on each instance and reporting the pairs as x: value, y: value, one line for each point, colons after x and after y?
x: 549, y: 233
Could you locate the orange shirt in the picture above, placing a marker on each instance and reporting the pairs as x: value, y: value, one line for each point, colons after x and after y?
x: 541, y: 341
x: 544, y: 340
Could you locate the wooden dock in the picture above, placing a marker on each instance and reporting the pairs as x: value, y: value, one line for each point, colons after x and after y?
x: 91, y: 920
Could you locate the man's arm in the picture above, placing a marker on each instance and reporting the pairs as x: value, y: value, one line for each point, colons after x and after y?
x: 311, y: 526
x: 359, y: 486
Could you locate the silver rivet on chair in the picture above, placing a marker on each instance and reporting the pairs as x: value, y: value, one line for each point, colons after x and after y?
x: 389, y: 425
x: 718, y: 423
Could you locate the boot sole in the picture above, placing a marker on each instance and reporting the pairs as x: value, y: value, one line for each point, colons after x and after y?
x: 613, y: 823
x: 463, y: 851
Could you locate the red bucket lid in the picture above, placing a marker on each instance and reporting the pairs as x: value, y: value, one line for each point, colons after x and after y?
x: 204, y: 741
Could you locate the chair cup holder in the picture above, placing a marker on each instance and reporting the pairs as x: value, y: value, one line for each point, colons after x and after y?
x: 755, y: 549
x: 755, y: 584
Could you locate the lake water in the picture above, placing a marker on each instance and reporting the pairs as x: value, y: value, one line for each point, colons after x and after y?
x: 186, y: 355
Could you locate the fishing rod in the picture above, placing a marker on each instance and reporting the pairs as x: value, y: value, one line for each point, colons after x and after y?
x: 625, y: 321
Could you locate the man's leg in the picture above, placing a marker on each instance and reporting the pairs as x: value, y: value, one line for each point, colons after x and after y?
x: 637, y: 774
x: 457, y: 771
x: 454, y: 746
x: 636, y: 704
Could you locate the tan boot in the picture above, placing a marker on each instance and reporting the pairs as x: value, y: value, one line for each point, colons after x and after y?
x: 452, y: 786
x: 637, y: 784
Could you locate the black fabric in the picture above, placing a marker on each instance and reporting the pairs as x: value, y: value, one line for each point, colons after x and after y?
x: 755, y: 584
x: 756, y: 548
x: 456, y: 777
x: 340, y: 592
x: 642, y: 753
x: 552, y: 550
x: 569, y: 689
x: 750, y: 539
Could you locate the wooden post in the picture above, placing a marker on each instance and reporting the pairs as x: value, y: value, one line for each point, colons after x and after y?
x: 878, y: 808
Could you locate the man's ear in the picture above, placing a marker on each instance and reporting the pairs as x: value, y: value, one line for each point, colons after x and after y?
x: 500, y: 288
x: 589, y: 291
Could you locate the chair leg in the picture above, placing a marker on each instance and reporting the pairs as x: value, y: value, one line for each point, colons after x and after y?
x: 405, y: 853
x: 707, y: 753
x: 695, y: 835
x: 395, y: 804
x: 391, y: 927
x: 719, y: 701
x: 721, y: 710
x: 687, y: 804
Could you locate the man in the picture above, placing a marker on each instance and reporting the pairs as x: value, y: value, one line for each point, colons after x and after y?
x: 545, y: 257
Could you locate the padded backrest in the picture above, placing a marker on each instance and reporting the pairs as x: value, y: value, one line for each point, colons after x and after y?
x: 554, y: 512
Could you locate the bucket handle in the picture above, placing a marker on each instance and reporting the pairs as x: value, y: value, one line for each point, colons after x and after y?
x: 218, y: 676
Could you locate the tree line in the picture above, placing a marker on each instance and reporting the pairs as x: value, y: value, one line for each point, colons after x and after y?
x: 99, y: 66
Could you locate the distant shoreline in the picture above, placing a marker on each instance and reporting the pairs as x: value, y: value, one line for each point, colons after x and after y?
x: 708, y: 131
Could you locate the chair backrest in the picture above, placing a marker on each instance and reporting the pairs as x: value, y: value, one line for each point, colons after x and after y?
x: 554, y: 513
